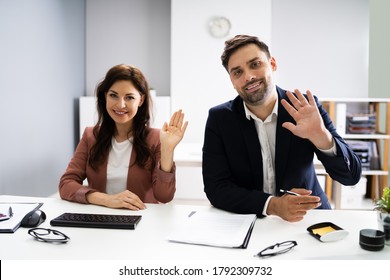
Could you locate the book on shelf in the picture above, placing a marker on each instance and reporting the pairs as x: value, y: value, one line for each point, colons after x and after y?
x: 375, y: 163
x: 367, y: 151
x: 361, y: 123
x: 341, y: 118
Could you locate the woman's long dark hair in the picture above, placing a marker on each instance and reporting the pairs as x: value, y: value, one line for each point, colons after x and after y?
x: 104, y: 130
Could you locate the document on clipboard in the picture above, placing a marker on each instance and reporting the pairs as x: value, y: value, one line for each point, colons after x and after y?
x: 18, y: 210
x: 215, y: 228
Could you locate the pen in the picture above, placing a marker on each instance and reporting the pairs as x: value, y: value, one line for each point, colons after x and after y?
x: 192, y: 213
x: 4, y: 217
x: 297, y: 194
x: 290, y: 192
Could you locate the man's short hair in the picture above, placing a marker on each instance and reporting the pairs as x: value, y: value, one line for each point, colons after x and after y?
x: 238, y: 41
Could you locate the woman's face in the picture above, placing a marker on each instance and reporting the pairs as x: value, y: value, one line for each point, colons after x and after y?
x: 122, y: 102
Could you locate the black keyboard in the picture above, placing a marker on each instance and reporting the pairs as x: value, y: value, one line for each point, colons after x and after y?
x: 96, y: 220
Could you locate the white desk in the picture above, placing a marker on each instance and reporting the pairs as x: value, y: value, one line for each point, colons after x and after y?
x: 148, y: 240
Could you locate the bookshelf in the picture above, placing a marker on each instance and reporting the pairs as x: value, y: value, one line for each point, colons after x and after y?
x: 341, y: 108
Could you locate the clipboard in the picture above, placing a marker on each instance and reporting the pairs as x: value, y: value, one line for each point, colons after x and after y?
x: 215, y: 228
x: 19, y: 211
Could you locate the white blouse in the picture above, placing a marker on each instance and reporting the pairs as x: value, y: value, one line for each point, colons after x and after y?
x: 118, y: 165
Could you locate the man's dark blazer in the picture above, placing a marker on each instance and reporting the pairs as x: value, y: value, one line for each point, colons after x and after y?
x: 232, y: 162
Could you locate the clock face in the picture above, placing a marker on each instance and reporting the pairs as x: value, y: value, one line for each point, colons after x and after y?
x: 219, y: 27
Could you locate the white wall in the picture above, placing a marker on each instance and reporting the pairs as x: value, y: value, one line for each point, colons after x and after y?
x: 41, y: 74
x: 322, y: 46
x: 379, y: 77
x: 132, y: 32
x: 198, y: 79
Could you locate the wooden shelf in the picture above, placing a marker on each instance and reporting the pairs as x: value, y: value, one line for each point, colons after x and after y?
x: 381, y: 108
x: 375, y: 172
x: 366, y: 136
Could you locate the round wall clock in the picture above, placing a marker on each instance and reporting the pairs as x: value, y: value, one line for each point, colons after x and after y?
x: 219, y: 27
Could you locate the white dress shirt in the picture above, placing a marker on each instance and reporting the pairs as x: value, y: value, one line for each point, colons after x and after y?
x: 266, y: 132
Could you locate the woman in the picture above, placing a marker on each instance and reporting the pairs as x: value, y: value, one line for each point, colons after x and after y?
x: 126, y: 162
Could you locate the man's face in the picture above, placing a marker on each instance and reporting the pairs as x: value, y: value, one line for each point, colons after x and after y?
x: 250, y: 71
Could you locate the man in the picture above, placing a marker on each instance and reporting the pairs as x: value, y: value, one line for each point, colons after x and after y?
x: 264, y: 141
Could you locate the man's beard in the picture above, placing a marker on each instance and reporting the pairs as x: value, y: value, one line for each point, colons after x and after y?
x: 257, y: 97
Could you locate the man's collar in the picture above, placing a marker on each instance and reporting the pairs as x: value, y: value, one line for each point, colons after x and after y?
x: 250, y: 115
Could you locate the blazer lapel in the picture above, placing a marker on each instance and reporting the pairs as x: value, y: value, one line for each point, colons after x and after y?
x: 252, y: 144
x: 133, y: 155
x: 283, y: 140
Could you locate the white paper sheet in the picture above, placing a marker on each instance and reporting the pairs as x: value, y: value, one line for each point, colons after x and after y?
x: 215, y: 228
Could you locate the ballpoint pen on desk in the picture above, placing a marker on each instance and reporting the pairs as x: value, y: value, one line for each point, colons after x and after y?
x: 4, y: 217
x: 290, y: 192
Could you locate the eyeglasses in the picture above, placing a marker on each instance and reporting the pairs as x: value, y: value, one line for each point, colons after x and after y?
x: 48, y: 235
x: 276, y: 249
